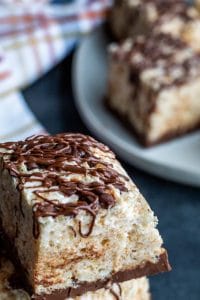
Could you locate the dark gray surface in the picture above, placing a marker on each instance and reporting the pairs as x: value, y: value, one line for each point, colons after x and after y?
x: 177, y: 206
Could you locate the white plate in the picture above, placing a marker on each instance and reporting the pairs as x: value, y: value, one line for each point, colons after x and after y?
x: 178, y: 160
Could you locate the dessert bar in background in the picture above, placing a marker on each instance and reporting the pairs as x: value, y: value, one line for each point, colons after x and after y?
x: 128, y: 18
x: 11, y: 288
x: 154, y: 86
x: 197, y: 4
x: 72, y: 219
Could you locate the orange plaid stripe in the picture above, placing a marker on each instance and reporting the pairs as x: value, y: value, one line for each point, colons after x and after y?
x: 28, y: 18
x: 4, y: 75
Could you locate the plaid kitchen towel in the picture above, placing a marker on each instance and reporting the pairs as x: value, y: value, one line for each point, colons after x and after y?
x: 34, y: 36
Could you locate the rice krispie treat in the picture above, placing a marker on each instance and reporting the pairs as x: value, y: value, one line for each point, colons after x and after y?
x: 72, y: 218
x: 128, y: 18
x: 154, y: 86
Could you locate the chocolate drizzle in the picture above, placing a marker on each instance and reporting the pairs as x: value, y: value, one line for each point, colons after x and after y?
x: 43, y: 163
x: 159, y: 52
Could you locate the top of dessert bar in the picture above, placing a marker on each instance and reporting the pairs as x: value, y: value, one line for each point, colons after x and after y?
x: 162, y: 4
x: 159, y: 8
x: 64, y: 173
x: 159, y: 59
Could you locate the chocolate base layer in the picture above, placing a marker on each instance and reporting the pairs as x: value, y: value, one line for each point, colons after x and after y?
x: 140, y: 137
x: 145, y: 270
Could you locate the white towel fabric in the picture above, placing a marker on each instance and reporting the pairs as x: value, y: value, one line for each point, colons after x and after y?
x: 34, y: 37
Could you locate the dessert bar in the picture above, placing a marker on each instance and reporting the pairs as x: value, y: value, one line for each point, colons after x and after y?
x: 129, y: 18
x: 154, y: 86
x: 71, y: 217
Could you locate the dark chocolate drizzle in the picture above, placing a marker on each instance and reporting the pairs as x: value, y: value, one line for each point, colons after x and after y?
x: 48, y: 160
x: 159, y: 51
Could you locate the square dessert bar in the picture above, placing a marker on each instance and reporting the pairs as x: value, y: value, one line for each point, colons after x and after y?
x: 72, y: 218
x: 128, y: 18
x: 12, y: 289
x: 154, y: 87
